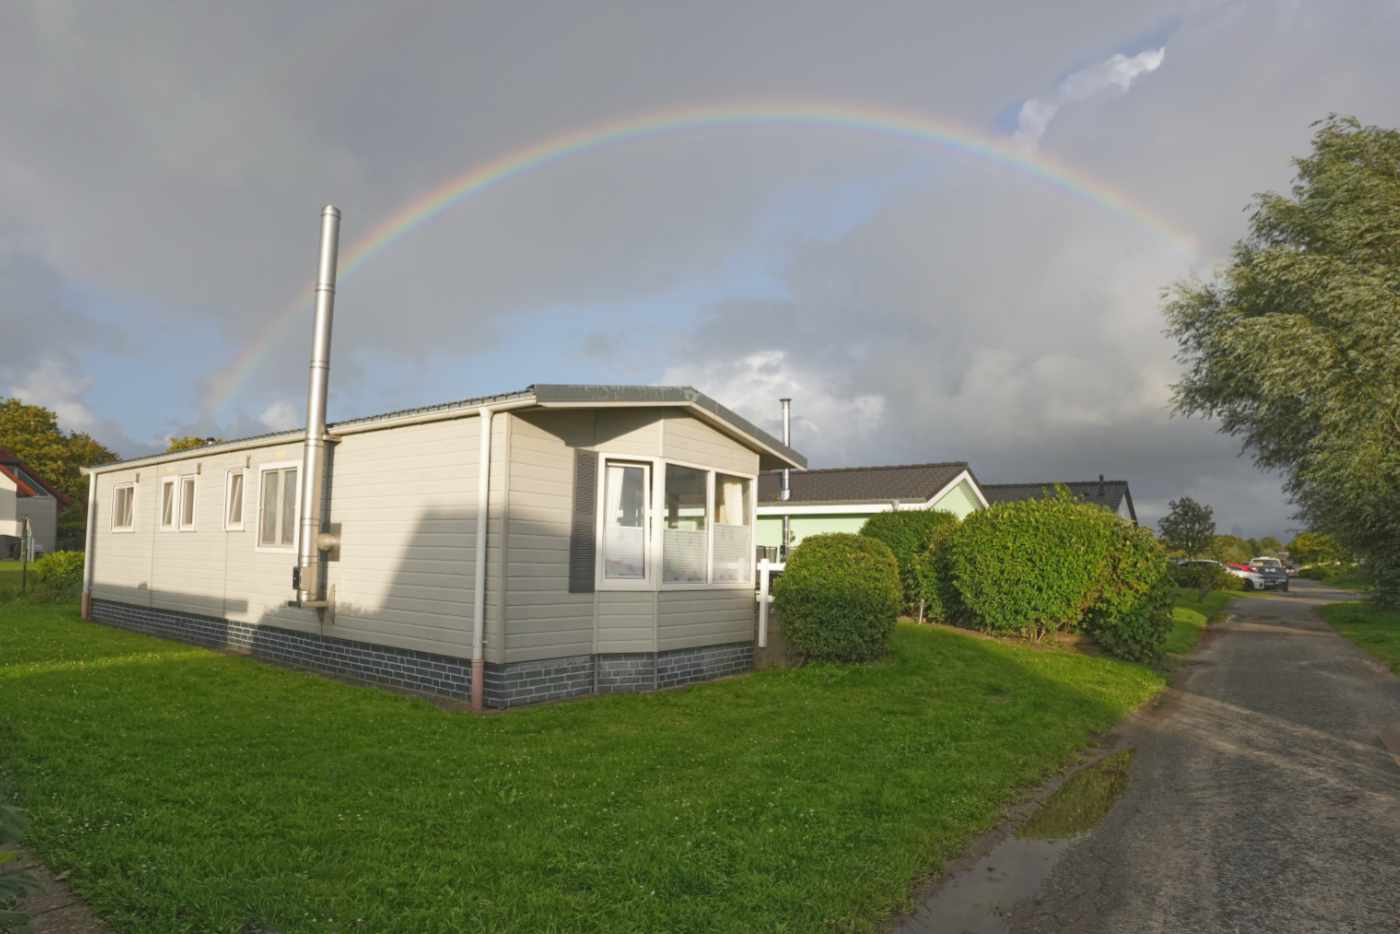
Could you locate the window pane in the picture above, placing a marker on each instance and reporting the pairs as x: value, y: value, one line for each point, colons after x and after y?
x: 624, y: 522
x: 732, y: 529
x: 267, y: 516
x: 121, y: 508
x: 683, y: 536
x: 187, y: 503
x: 235, y: 499
x: 289, y: 506
x: 167, y: 505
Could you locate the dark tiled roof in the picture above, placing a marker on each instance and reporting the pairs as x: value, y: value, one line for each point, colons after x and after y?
x: 902, y: 482
x: 1106, y: 493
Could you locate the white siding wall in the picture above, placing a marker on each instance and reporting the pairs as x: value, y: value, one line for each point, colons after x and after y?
x: 544, y: 620
x: 404, y: 500
x: 8, y: 507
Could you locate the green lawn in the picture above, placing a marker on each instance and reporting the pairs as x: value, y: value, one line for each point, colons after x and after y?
x: 9, y: 578
x: 186, y: 790
x: 1190, y: 616
x: 1376, y: 631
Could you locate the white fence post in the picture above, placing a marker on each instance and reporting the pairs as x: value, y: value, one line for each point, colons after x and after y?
x: 763, y: 576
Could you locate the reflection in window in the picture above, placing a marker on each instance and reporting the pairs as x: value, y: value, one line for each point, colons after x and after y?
x: 684, y: 535
x: 624, y: 522
x: 732, y: 532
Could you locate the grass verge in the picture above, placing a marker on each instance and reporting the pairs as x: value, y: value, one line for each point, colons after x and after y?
x: 189, y: 790
x: 1375, y: 630
x: 1191, y: 613
x: 9, y: 578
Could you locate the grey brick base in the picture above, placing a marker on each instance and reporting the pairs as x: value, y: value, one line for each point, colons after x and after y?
x: 514, y: 684
x: 363, y: 661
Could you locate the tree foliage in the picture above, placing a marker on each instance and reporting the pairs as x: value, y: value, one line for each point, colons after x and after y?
x: 1316, y: 548
x: 1293, y: 348
x: 1188, y: 526
x: 189, y: 443
x: 32, y: 432
x: 1231, y: 549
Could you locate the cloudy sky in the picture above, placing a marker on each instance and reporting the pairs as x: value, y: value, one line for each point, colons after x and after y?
x: 990, y: 294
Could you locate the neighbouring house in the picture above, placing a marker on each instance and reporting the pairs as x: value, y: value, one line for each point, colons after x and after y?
x: 615, y: 550
x: 1112, y: 495
x: 840, y: 499
x: 23, y: 495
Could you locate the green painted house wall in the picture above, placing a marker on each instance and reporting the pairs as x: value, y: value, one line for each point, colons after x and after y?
x: 960, y: 501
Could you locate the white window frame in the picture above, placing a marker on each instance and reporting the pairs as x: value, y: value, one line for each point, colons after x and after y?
x: 263, y: 470
x: 600, y: 562
x: 194, y: 504
x: 242, y: 524
x: 654, y: 537
x: 172, y: 483
x: 116, y: 490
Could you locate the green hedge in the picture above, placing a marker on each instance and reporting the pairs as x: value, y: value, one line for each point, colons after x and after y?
x: 839, y: 597
x: 1204, y: 577
x: 935, y: 580
x: 1131, y: 613
x: 57, y: 575
x: 909, y: 533
x: 1033, y: 567
x: 1027, y: 568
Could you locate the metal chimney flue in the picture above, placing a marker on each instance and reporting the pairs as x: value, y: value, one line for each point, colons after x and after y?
x: 306, y: 576
x: 787, y: 488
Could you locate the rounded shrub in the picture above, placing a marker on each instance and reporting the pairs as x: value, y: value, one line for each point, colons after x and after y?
x: 1027, y: 568
x: 1203, y: 577
x: 839, y: 597
x: 1131, y: 613
x: 57, y: 575
x: 909, y: 534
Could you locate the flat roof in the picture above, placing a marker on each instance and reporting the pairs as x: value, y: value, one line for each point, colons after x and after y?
x: 539, y: 395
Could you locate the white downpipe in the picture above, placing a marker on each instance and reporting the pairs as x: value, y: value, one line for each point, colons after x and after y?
x: 90, y: 540
x: 483, y: 496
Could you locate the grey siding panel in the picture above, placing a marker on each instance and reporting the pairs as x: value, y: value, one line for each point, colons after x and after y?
x: 42, y: 513
x: 689, y: 439
x: 583, y: 530
x: 627, y: 621
x: 693, y: 618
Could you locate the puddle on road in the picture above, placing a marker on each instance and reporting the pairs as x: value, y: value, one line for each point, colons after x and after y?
x: 978, y: 900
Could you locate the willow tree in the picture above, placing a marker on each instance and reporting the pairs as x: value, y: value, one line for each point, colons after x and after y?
x: 1295, y: 346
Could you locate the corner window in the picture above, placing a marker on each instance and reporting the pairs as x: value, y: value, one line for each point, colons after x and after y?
x: 626, y: 496
x: 123, y: 508
x: 733, y: 530
x: 685, y: 534
x: 169, y: 497
x: 233, y: 501
x: 187, y: 503
x: 277, y: 507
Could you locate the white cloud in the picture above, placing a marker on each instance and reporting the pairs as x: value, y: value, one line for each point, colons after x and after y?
x: 827, y: 423
x: 54, y: 385
x: 280, y: 416
x: 1116, y: 75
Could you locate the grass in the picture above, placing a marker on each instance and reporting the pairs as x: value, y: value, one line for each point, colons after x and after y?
x: 1191, y: 613
x: 1375, y: 630
x: 1082, y: 801
x: 9, y: 578
x: 186, y: 790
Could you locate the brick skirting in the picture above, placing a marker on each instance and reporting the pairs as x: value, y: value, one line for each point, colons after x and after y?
x: 514, y: 684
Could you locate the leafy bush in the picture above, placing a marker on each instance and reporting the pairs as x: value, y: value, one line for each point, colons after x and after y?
x: 931, y: 569
x: 909, y: 534
x: 839, y: 597
x: 1027, y: 568
x: 57, y: 575
x: 1131, y: 613
x: 1204, y: 577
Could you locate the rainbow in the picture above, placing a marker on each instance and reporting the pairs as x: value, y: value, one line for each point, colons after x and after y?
x: 863, y: 117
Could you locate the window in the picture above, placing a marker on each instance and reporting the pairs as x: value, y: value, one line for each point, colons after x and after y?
x: 187, y: 503
x: 123, y: 508
x: 626, y: 493
x: 703, y: 535
x: 277, y: 512
x: 169, y: 495
x: 685, y: 534
x: 733, y: 532
x: 233, y: 501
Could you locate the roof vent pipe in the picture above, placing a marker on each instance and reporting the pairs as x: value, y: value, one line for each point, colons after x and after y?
x: 787, y: 488
x: 1101, y: 489
x: 305, y: 577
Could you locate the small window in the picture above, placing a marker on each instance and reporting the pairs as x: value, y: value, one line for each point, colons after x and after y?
x: 277, y: 512
x: 626, y: 494
x: 123, y: 508
x: 187, y: 503
x: 733, y: 533
x: 233, y: 501
x: 169, y: 497
x: 685, y: 534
